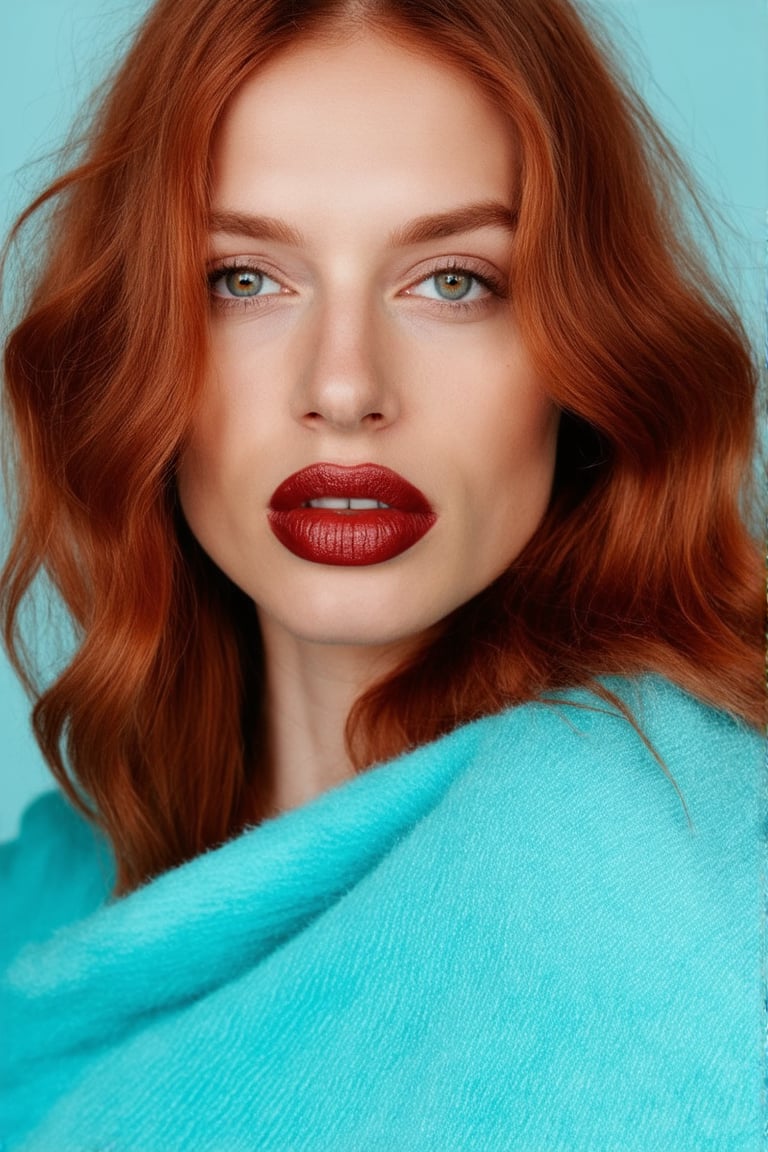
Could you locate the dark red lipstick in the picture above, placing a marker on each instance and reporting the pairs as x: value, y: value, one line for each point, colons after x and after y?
x: 348, y: 536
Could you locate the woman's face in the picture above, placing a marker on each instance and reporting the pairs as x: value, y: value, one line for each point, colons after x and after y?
x: 359, y: 255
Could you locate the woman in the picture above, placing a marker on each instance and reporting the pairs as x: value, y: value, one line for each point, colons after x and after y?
x: 390, y: 451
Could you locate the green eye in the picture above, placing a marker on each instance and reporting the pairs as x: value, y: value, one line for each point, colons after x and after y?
x: 456, y: 285
x: 243, y: 282
x: 453, y: 285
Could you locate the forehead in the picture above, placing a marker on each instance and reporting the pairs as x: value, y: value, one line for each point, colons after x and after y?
x: 367, y: 125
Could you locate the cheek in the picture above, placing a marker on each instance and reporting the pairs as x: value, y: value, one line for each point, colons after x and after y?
x: 505, y: 427
x: 530, y: 446
x: 207, y: 474
x: 521, y: 420
x: 195, y: 483
x: 227, y: 435
x: 197, y: 472
x: 509, y: 446
x: 240, y: 397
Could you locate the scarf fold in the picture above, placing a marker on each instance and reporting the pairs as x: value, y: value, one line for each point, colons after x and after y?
x: 511, y: 938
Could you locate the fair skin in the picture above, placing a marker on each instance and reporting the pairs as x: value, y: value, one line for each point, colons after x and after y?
x: 337, y: 340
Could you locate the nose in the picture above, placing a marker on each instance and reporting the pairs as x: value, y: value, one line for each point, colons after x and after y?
x: 344, y: 382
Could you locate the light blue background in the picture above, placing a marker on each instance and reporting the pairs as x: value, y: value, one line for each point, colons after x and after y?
x: 701, y: 64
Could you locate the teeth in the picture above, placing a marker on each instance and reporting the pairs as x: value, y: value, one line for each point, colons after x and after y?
x: 338, y: 503
x: 329, y: 502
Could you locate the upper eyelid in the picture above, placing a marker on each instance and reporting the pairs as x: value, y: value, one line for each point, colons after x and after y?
x: 222, y: 264
x: 475, y: 265
x: 485, y: 273
x: 217, y: 270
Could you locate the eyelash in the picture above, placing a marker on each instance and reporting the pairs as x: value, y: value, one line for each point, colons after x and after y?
x: 495, y: 285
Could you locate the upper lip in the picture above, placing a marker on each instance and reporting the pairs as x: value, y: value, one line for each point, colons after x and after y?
x: 359, y: 481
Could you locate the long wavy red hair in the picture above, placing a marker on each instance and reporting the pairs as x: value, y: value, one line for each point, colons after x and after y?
x: 642, y: 563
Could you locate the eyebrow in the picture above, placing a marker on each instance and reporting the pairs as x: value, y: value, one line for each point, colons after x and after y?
x: 467, y: 218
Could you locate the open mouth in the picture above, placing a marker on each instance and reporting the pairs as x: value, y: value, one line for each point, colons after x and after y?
x: 344, y: 504
x: 339, y: 515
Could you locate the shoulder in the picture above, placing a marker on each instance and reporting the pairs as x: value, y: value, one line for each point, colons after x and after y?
x: 655, y: 826
x: 673, y: 802
x: 57, y: 870
x: 646, y: 733
x: 623, y: 896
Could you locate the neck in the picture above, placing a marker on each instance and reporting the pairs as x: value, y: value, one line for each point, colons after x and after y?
x: 310, y: 689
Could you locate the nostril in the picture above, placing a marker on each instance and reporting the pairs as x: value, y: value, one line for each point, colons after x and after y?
x: 344, y: 420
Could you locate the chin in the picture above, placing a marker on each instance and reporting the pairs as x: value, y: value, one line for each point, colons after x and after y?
x: 374, y: 617
x: 346, y: 630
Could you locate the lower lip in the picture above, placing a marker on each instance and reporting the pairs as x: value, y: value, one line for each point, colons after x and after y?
x: 349, y: 539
